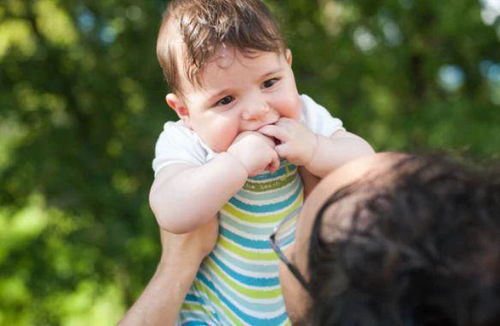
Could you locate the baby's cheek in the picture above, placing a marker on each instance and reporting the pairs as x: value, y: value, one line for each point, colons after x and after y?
x: 222, y: 143
x: 225, y: 138
x: 293, y: 108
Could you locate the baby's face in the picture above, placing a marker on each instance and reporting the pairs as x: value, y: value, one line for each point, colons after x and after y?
x: 240, y: 93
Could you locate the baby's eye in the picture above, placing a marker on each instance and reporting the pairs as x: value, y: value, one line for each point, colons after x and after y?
x: 225, y: 101
x: 269, y: 83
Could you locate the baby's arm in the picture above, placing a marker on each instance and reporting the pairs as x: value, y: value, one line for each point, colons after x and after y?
x: 332, y: 152
x: 185, y: 196
x: 309, y: 180
x: 317, y: 153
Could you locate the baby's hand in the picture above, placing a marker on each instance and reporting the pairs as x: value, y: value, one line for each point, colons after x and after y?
x: 298, y: 143
x: 255, y: 151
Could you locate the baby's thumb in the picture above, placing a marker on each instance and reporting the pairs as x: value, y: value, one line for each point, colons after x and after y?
x: 275, y: 163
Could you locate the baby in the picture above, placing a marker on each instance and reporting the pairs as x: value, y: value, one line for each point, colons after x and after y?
x: 243, y: 134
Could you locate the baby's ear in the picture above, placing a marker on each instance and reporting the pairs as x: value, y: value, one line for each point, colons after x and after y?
x: 288, y: 56
x: 179, y: 107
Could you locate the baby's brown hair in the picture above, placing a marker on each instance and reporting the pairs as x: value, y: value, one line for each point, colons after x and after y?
x: 194, y: 30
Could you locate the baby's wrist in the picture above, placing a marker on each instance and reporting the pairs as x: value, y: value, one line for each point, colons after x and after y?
x: 309, y: 163
x: 234, y: 158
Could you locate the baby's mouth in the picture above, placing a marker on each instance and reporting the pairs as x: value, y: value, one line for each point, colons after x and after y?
x: 276, y: 141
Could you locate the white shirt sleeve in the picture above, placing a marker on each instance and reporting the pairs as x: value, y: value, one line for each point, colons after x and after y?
x: 178, y: 144
x: 318, y: 119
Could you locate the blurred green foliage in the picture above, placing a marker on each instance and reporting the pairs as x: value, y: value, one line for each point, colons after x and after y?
x: 81, y: 105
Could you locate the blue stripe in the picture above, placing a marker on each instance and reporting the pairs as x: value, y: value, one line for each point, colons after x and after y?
x: 233, y: 295
x: 206, y: 314
x: 194, y: 317
x: 195, y: 323
x: 193, y: 298
x: 252, y: 230
x: 244, y: 242
x: 288, y: 239
x: 265, y: 208
x: 264, y: 230
x: 247, y: 318
x: 247, y: 280
x: 251, y: 267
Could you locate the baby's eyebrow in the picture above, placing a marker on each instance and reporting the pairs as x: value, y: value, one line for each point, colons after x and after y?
x: 272, y: 72
x: 217, y: 94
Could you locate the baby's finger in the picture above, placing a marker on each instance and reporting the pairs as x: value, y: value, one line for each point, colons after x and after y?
x: 269, y: 140
x: 284, y: 122
x: 282, y: 150
x: 275, y: 163
x: 274, y: 131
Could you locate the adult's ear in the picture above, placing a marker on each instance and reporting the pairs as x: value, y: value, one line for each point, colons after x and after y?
x: 288, y: 56
x: 179, y: 107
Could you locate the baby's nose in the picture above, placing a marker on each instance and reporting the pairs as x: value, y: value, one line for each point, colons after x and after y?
x: 256, y: 112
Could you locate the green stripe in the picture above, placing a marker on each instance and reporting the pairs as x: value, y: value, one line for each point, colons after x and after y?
x: 252, y: 255
x: 254, y: 294
x: 228, y: 313
x: 229, y: 209
x: 194, y: 307
x: 269, y: 185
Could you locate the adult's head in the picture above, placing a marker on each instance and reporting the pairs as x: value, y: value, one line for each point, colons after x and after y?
x: 394, y: 239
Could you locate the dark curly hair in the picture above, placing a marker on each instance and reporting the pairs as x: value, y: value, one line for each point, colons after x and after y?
x: 423, y: 249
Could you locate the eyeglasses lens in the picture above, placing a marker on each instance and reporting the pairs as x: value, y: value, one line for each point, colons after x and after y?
x: 286, y: 232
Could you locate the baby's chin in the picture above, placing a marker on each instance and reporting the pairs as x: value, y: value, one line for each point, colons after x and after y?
x: 219, y: 148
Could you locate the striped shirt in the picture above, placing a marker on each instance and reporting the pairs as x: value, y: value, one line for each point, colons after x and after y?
x: 238, y: 284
